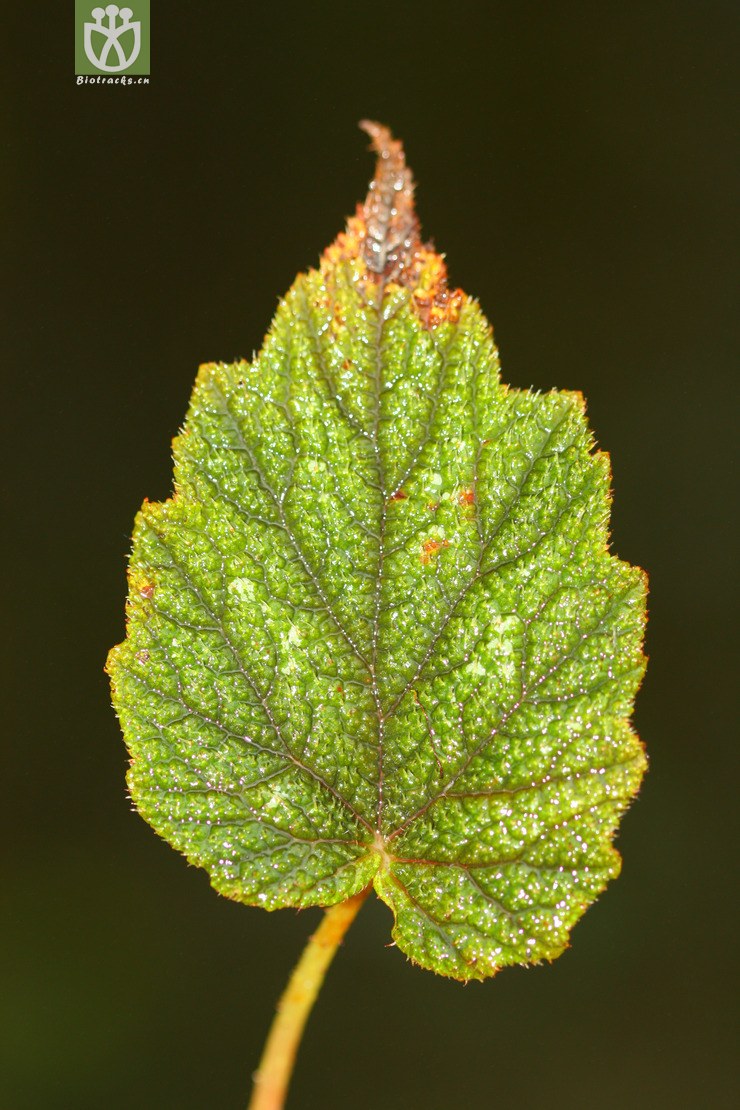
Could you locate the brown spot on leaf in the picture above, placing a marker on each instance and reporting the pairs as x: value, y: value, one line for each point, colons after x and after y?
x: 142, y: 656
x: 147, y: 590
x: 399, y: 495
x: 432, y: 301
x: 466, y: 496
x: 430, y: 548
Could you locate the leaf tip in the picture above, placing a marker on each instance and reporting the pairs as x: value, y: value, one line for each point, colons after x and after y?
x: 392, y: 228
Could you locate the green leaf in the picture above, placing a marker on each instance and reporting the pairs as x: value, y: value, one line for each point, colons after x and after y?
x: 376, y: 636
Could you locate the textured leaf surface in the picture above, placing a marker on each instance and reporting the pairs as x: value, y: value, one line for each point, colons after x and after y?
x: 377, y: 635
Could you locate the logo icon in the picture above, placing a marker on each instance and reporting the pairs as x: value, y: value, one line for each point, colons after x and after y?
x: 102, y: 41
x: 112, y: 42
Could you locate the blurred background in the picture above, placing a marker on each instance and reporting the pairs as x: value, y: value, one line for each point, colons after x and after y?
x: 578, y: 163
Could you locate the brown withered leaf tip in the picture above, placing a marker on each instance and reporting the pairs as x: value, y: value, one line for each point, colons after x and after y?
x: 392, y: 228
x: 385, y: 234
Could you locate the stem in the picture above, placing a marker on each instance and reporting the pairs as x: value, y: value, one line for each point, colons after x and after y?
x: 278, y: 1058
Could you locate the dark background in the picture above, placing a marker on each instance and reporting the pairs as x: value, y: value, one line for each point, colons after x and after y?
x: 578, y: 163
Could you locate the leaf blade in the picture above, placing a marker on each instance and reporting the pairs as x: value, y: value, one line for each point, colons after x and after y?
x: 377, y: 634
